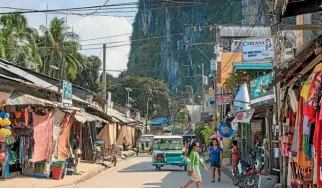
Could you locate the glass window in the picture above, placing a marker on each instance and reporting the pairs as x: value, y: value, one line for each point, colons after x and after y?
x: 166, y: 144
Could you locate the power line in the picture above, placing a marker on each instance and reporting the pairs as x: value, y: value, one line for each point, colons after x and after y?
x: 27, y: 11
x: 96, y: 9
x: 240, y: 48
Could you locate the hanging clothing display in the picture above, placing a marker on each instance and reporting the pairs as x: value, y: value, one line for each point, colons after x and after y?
x: 43, y: 131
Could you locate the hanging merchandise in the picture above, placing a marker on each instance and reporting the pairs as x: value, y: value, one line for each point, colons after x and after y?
x: 225, y: 131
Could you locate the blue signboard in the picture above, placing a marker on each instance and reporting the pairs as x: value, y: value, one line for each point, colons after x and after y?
x: 261, y: 91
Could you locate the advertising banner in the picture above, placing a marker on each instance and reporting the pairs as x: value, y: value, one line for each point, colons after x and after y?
x: 261, y: 91
x: 258, y: 49
x: 244, y: 117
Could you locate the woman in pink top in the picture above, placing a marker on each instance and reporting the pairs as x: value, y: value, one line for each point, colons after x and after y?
x: 234, y: 155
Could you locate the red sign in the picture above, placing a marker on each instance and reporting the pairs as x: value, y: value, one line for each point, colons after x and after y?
x: 221, y: 100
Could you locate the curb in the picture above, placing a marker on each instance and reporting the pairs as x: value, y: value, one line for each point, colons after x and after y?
x: 92, y: 173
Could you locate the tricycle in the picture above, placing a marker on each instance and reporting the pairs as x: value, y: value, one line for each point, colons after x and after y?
x: 168, y: 150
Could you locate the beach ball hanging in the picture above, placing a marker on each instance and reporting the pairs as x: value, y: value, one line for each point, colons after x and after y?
x: 4, y: 119
x: 225, y: 131
x: 2, y: 156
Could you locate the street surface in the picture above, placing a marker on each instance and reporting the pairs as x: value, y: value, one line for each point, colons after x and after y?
x: 137, y: 172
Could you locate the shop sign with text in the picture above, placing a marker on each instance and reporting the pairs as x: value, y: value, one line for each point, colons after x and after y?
x: 261, y: 90
x: 258, y: 49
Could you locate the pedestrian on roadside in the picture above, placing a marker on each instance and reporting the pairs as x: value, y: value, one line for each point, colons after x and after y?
x: 195, y: 162
x: 114, y: 154
x: 215, y: 153
x: 234, y: 155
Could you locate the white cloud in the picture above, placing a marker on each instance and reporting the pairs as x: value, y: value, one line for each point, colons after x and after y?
x: 98, y: 27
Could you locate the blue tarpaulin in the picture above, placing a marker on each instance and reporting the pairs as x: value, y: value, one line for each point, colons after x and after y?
x: 159, y: 121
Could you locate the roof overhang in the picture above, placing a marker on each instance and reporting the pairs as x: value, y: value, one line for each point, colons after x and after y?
x: 252, y: 66
x: 288, y: 8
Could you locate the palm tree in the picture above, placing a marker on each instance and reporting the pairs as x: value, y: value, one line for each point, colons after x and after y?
x: 61, y: 49
x: 18, y: 41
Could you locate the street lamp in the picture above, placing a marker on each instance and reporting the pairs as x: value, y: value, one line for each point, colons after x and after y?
x: 128, y: 96
x: 54, y: 68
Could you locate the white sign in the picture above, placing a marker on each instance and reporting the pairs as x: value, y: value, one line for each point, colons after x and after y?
x: 213, y: 65
x: 216, y: 49
x: 244, y: 117
x: 205, y: 80
x: 258, y: 49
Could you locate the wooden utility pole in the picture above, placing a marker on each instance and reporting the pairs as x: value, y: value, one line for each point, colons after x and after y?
x: 215, y: 79
x: 203, y: 87
x: 104, y: 73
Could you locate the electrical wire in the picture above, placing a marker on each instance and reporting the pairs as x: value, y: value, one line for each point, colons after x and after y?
x: 27, y: 11
x: 96, y: 9
x: 236, y: 53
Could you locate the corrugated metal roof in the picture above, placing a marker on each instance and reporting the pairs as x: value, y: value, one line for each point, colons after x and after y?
x: 243, y: 31
x: 118, y: 115
x: 25, y: 99
x: 5, y: 92
x: 83, y: 116
x: 37, y: 81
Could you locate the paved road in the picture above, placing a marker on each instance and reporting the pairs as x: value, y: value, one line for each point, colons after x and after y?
x: 137, y: 172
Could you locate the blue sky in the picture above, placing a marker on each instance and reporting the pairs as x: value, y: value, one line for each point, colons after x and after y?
x: 87, y: 27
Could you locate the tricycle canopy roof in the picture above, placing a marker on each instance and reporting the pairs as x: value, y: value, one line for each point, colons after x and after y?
x: 167, y: 137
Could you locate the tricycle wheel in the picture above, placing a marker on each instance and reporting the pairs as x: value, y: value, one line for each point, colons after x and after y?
x: 185, y: 168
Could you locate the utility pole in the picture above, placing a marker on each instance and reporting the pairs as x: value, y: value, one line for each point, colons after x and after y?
x: 147, y: 113
x: 104, y: 72
x: 215, y: 77
x: 203, y: 87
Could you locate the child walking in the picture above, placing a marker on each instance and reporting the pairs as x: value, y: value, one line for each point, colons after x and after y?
x: 195, y: 162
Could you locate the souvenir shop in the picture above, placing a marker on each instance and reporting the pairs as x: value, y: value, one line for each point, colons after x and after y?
x: 16, y: 139
x: 35, y: 140
x: 250, y: 135
x: 302, y: 118
x: 253, y: 122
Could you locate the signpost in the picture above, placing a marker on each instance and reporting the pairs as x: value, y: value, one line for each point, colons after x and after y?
x: 67, y: 93
x: 213, y: 65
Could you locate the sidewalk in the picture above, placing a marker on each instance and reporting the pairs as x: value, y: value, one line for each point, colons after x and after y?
x: 87, y: 170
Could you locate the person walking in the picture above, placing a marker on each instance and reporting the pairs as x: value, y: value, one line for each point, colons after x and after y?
x: 215, y: 153
x: 195, y: 162
x: 234, y: 155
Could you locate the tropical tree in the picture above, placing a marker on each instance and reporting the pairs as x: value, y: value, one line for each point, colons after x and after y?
x: 90, y: 75
x: 18, y: 41
x: 61, y: 50
x: 144, y: 89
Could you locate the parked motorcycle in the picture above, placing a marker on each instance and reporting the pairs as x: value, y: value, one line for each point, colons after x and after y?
x: 246, y: 176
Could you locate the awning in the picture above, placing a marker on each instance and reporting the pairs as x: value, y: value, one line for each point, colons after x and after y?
x: 25, y: 99
x: 252, y: 66
x: 121, y: 117
x: 82, y: 117
x: 5, y: 92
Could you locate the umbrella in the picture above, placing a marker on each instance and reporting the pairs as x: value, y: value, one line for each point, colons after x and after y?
x: 215, y: 136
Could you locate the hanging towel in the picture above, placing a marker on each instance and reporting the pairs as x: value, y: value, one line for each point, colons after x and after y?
x: 63, y: 144
x: 58, y: 119
x: 43, y: 131
x: 293, y: 99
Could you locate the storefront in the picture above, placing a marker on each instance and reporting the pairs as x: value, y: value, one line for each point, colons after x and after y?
x: 301, y: 117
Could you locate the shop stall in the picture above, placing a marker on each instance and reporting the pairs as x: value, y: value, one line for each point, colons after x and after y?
x: 301, y: 116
